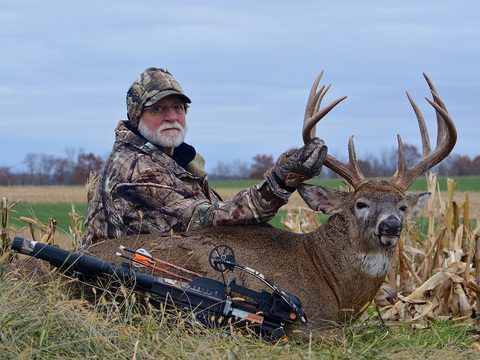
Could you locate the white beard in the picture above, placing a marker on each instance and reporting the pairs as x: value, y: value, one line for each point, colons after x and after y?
x: 170, y: 139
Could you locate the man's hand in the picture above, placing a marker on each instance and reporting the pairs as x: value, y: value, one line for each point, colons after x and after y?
x: 295, y: 166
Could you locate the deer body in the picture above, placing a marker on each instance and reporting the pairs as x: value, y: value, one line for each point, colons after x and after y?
x: 337, y: 269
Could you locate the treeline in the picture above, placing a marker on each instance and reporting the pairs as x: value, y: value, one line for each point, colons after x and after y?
x: 41, y: 169
x: 74, y: 169
x: 383, y: 165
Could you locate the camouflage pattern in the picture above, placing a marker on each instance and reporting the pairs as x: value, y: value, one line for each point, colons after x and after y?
x: 151, y: 86
x: 295, y: 166
x: 143, y: 190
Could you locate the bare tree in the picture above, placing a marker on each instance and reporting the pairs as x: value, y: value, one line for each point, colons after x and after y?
x: 366, y: 168
x: 40, y: 168
x: 63, y: 172
x: 236, y: 170
x: 222, y: 171
x: 5, y: 175
x: 86, y: 163
x: 30, y: 162
x: 412, y: 155
x: 241, y: 170
x: 47, y: 164
x: 261, y: 163
x: 461, y: 165
x: 476, y: 165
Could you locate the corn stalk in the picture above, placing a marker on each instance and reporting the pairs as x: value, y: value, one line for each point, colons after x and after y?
x: 5, y: 253
x: 438, y: 264
x: 76, y: 229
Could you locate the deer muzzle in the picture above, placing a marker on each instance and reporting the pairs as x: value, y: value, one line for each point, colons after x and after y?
x: 389, y: 231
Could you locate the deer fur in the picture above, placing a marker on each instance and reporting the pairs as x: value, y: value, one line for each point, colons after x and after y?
x: 335, y: 270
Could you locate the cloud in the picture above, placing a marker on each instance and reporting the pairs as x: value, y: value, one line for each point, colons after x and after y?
x: 248, y: 68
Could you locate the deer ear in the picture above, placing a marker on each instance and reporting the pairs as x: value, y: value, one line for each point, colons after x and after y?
x: 415, y: 203
x: 322, y: 198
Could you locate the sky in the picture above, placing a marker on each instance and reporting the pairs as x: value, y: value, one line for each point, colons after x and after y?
x: 248, y: 66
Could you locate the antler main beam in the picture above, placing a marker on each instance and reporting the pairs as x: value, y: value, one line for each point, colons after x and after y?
x: 446, y: 139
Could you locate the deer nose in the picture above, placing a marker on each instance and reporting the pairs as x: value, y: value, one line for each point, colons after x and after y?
x: 390, y: 227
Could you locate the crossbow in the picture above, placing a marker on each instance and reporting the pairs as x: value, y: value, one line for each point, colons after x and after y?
x: 213, y: 302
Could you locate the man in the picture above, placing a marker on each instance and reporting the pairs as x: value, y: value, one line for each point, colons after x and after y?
x: 153, y: 181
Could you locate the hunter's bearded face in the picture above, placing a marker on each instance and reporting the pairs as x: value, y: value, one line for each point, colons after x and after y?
x: 164, y: 123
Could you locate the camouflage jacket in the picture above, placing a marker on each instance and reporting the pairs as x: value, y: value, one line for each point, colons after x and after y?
x: 143, y: 190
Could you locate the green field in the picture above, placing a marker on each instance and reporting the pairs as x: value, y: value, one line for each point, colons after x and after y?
x: 60, y: 211
x: 464, y: 183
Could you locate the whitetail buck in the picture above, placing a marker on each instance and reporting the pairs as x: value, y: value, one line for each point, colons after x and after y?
x: 337, y: 269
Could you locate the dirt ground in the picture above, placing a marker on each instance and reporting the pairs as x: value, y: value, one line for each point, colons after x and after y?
x: 51, y: 194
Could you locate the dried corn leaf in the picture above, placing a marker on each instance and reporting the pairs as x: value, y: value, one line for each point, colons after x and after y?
x: 413, y: 250
x: 424, y: 311
x: 456, y: 215
x: 430, y: 284
x: 472, y: 286
x: 302, y: 221
x: 454, y: 260
x: 461, y: 299
x: 406, y: 287
x: 450, y: 189
x: 466, y: 212
x: 412, y: 301
x: 458, y: 244
x: 448, y: 221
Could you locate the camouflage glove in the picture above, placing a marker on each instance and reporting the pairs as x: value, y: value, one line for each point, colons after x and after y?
x: 295, y: 166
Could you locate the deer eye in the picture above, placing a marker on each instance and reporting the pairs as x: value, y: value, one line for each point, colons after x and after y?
x: 403, y: 208
x: 361, y: 205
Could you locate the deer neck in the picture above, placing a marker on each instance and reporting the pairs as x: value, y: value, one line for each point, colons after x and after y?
x: 352, y: 272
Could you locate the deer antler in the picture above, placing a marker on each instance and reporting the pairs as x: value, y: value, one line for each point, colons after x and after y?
x: 446, y: 139
x: 350, y: 171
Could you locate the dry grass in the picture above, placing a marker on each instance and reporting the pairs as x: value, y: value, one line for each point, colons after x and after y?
x: 433, y: 315
x: 56, y: 320
x: 44, y: 194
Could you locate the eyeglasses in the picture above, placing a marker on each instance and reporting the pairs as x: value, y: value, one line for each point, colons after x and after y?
x: 161, y: 110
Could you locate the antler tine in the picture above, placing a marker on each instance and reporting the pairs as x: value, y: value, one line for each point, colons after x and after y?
x: 426, y: 148
x: 313, y: 114
x: 313, y: 104
x: 446, y: 139
x: 349, y: 171
x: 440, y: 123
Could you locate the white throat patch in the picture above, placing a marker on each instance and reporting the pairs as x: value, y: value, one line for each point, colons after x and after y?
x: 377, y: 263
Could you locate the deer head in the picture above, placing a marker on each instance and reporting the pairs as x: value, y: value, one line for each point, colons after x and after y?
x: 389, y: 223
